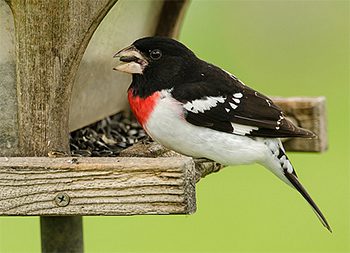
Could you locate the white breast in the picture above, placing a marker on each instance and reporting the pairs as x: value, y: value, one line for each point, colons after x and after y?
x: 167, y: 126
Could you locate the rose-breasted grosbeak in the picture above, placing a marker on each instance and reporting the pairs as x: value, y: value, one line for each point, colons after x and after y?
x: 200, y: 110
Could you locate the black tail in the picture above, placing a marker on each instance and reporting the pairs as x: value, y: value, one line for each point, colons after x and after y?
x: 295, y: 182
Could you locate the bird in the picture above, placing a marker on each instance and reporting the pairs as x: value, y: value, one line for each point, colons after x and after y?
x: 200, y: 110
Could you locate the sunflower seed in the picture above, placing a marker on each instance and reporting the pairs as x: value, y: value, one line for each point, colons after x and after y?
x: 107, y: 137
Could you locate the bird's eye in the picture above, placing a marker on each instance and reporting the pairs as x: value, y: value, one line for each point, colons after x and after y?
x: 156, y: 54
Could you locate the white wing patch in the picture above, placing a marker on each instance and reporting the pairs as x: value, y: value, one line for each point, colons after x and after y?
x: 204, y: 104
x: 233, y: 105
x: 238, y: 95
x: 242, y: 129
x: 236, y: 100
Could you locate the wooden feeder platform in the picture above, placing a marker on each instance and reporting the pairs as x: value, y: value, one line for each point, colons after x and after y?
x: 52, y: 67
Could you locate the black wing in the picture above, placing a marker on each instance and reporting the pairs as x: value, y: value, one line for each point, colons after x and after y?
x: 221, y: 102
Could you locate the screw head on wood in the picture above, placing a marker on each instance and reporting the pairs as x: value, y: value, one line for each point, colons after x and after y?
x: 62, y: 199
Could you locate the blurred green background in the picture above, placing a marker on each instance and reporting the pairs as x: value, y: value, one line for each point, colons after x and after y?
x: 285, y: 48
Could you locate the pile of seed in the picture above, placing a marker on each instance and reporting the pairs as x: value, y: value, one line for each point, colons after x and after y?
x: 107, y: 137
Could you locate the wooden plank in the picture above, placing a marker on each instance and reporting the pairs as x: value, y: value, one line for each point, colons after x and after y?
x: 203, y: 167
x: 309, y: 113
x: 96, y: 186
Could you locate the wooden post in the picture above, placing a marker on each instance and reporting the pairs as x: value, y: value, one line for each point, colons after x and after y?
x: 56, y: 230
x: 171, y: 18
x: 8, y: 97
x: 51, y: 37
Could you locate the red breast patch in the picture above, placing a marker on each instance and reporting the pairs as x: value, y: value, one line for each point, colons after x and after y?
x: 142, y: 107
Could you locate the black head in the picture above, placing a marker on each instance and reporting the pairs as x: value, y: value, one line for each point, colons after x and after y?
x: 156, y: 61
x: 168, y: 47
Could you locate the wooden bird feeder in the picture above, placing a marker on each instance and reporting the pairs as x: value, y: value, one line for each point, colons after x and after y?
x: 56, y: 76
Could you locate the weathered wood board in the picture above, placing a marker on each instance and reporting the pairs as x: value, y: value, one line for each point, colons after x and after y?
x: 8, y: 96
x: 96, y: 186
x: 203, y: 167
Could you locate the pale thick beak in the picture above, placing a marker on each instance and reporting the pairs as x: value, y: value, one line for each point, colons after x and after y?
x: 131, y: 60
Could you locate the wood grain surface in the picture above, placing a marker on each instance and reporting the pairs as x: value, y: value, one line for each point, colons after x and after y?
x: 96, y: 186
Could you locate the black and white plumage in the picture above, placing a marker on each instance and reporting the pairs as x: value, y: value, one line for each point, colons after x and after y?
x: 236, y: 106
x: 200, y: 110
